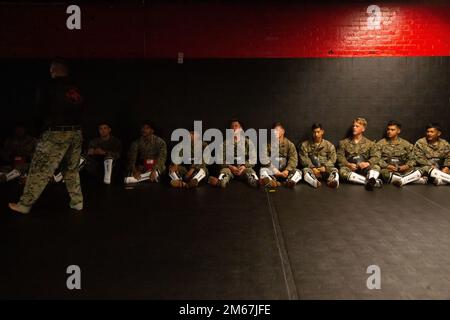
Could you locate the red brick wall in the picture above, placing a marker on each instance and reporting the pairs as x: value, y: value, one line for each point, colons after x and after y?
x: 226, y: 31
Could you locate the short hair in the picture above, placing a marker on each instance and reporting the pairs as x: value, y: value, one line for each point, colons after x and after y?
x: 148, y: 123
x: 361, y: 121
x: 277, y: 124
x: 316, y: 125
x: 236, y: 120
x: 434, y: 125
x: 62, y: 63
x: 106, y: 123
x: 394, y: 123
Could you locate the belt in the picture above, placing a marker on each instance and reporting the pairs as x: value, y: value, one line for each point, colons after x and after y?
x: 64, y: 128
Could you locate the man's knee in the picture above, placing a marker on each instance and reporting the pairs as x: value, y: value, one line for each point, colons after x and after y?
x: 344, y: 172
x: 226, y: 172
x: 385, y: 174
x: 330, y: 170
x: 424, y: 170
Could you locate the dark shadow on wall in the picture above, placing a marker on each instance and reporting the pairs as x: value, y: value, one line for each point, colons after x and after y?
x: 298, y: 92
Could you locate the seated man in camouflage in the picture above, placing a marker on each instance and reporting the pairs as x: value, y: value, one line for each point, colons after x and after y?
x: 188, y: 175
x: 432, y: 155
x: 358, y: 157
x: 147, y: 156
x: 318, y: 157
x: 396, y: 157
x: 286, y: 170
x: 239, y: 164
x: 17, y: 154
x: 103, y: 153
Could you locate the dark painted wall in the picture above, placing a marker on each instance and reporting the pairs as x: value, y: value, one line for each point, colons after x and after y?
x: 413, y: 90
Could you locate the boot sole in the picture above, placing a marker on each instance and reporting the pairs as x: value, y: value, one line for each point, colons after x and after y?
x: 370, y: 185
x: 333, y: 184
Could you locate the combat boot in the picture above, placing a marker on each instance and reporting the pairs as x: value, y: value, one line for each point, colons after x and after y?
x: 269, y: 183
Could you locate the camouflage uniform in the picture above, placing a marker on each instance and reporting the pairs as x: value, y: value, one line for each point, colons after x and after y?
x: 151, y: 148
x: 18, y: 153
x: 249, y: 175
x: 95, y: 163
x: 287, y: 160
x: 427, y: 155
x: 112, y: 146
x: 200, y: 169
x: 397, y: 153
x: 364, y: 151
x: 313, y: 155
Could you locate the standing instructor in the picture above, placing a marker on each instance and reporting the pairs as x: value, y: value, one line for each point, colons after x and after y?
x: 60, y: 104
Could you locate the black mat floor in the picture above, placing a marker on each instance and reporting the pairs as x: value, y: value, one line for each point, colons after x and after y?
x: 153, y: 242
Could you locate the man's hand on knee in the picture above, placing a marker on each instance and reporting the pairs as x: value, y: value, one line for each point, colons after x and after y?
x: 391, y: 168
x: 364, y: 165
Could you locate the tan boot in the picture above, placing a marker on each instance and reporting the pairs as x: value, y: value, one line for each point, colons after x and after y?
x: 290, y: 184
x: 19, y: 208
x: 270, y: 183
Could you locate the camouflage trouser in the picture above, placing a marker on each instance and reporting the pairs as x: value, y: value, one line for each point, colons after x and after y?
x: 182, y: 170
x: 228, y: 175
x: 386, y: 174
x: 344, y: 172
x: 324, y: 175
x: 424, y: 170
x: 51, y: 149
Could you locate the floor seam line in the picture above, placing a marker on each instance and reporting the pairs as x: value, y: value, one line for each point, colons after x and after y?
x: 282, y: 251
